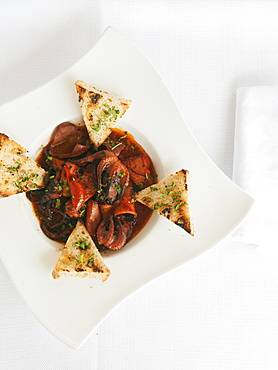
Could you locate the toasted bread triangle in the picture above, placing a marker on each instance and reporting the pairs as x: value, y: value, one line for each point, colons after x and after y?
x: 100, y: 111
x: 169, y: 198
x: 80, y: 257
x: 18, y: 173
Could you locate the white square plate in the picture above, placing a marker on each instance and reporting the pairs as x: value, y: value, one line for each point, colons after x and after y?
x: 72, y: 308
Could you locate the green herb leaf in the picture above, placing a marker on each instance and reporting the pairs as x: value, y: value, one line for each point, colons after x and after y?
x: 115, y: 146
x: 118, y: 188
x: 57, y: 203
x: 96, y: 128
x: 83, y: 244
x: 178, y: 205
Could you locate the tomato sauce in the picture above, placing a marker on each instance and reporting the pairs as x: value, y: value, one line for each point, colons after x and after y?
x: 94, y: 185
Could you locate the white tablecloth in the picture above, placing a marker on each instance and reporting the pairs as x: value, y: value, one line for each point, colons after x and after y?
x: 219, y: 312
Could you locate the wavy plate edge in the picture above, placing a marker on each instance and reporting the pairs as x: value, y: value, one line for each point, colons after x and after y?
x: 75, y: 342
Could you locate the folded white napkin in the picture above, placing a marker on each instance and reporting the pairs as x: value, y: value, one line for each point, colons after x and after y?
x: 256, y: 163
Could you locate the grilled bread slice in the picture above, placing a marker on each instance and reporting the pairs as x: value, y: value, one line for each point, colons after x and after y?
x: 169, y: 198
x: 80, y: 257
x: 18, y: 173
x: 100, y: 111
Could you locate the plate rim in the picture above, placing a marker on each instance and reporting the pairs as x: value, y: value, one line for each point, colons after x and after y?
x: 249, y: 200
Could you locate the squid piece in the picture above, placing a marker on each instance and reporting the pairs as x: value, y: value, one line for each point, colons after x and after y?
x: 114, y: 232
x: 139, y: 168
x: 93, y: 216
x: 68, y: 141
x: 95, y: 156
x: 113, y: 179
x: 127, y: 204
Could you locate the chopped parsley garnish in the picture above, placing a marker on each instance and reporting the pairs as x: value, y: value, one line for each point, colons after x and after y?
x: 178, y: 205
x: 82, y: 212
x: 58, y: 187
x: 108, y: 114
x: 91, y: 258
x: 57, y: 203
x: 156, y: 206
x: 115, y: 146
x: 83, y: 244
x: 15, y: 168
x: 118, y: 188
x: 96, y: 128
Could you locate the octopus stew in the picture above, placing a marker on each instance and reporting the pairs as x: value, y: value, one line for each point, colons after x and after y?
x: 93, y: 185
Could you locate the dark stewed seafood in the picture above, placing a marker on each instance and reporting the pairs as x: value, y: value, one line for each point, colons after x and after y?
x: 92, y: 185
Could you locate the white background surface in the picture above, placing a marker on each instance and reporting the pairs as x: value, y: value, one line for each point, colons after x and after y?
x: 221, y: 310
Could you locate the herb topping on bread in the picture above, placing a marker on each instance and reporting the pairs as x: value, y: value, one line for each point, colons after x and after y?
x: 80, y: 257
x: 18, y: 173
x: 169, y: 198
x: 100, y: 111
